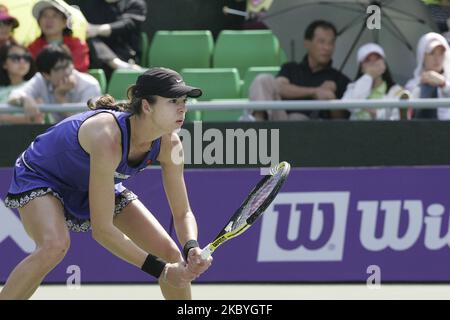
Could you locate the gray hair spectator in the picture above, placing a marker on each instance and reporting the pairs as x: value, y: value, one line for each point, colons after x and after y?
x: 432, y: 75
x: 56, y: 82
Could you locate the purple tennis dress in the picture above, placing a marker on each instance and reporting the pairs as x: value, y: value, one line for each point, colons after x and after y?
x: 56, y: 163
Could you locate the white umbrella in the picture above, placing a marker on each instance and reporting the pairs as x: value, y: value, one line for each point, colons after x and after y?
x: 402, y: 23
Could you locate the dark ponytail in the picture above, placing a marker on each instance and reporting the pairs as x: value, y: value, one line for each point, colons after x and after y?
x: 133, y: 105
x: 106, y: 102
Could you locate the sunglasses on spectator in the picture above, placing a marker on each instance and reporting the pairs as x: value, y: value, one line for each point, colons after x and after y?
x: 6, y: 23
x: 17, y: 57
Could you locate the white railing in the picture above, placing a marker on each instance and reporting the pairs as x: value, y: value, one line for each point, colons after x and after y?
x: 267, y: 105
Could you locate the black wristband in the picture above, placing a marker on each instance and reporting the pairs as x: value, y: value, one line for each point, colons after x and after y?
x: 188, y: 246
x: 153, y: 266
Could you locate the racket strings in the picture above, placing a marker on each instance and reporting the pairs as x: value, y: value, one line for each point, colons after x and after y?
x: 257, y: 199
x: 261, y: 195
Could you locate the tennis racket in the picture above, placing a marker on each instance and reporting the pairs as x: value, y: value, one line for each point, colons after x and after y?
x: 252, y: 208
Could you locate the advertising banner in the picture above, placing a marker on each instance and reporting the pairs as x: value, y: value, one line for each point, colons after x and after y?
x: 325, y: 225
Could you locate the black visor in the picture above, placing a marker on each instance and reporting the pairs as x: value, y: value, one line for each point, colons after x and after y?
x: 165, y: 83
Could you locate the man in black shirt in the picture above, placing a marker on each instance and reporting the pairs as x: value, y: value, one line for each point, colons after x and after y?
x: 312, y: 79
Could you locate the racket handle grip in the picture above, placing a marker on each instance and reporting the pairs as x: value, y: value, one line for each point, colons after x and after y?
x: 206, y: 253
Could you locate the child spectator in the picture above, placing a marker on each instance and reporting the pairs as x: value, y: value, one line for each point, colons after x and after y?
x: 373, y: 81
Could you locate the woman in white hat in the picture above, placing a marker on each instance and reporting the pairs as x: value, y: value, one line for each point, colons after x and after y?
x: 55, y: 22
x: 432, y: 75
x: 373, y: 81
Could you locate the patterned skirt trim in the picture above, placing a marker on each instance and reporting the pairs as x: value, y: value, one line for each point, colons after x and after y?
x: 19, y: 200
x: 73, y: 223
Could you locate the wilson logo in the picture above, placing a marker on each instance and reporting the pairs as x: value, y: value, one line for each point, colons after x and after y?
x: 304, y: 227
x: 312, y: 226
x: 404, y: 223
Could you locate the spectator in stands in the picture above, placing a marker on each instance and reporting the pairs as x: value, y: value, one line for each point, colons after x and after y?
x: 312, y: 79
x: 16, y: 67
x: 54, y: 21
x: 56, y: 82
x: 7, y: 25
x: 373, y: 81
x: 113, y: 35
x: 440, y: 12
x: 432, y: 75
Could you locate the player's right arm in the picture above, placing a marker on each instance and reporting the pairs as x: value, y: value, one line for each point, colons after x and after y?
x: 101, y: 138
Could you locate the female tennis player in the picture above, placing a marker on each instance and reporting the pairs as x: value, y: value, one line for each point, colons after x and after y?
x: 70, y: 178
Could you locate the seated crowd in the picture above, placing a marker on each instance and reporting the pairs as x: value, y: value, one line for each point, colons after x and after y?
x: 314, y: 78
x: 53, y: 69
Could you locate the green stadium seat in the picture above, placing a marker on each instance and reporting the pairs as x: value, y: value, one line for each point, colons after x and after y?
x: 223, y: 115
x: 143, y: 39
x: 120, y: 80
x: 181, y: 49
x: 216, y: 83
x: 250, y: 75
x: 246, y: 48
x: 99, y: 74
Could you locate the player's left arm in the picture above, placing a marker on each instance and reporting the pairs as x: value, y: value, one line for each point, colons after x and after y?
x: 172, y: 165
